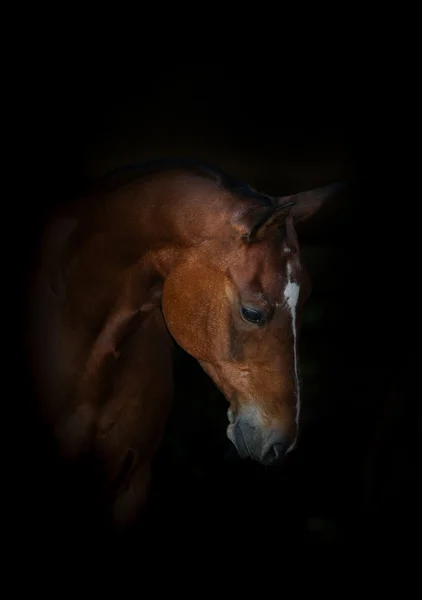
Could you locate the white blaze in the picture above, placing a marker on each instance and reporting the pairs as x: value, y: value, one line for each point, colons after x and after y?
x: 291, y: 295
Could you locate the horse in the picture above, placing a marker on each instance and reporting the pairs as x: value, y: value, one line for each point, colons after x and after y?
x: 172, y: 251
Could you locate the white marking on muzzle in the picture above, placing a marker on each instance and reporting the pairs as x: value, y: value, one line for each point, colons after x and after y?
x: 291, y: 295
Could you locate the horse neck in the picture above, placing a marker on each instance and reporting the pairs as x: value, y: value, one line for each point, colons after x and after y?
x: 177, y: 214
x: 129, y: 240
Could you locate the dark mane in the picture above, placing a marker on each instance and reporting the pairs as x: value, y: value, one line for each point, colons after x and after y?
x: 128, y: 173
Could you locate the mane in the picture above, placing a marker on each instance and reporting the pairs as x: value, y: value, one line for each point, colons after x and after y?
x: 127, y: 173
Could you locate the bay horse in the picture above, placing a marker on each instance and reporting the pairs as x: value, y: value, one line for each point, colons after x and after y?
x: 169, y: 251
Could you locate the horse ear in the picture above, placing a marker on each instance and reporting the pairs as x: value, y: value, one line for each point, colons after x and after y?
x: 274, y: 218
x: 259, y: 221
x: 306, y: 204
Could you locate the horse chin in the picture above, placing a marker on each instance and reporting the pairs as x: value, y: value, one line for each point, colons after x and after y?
x: 241, y: 450
x: 230, y: 433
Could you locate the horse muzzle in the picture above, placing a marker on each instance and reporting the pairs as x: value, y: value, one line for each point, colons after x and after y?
x: 254, y: 441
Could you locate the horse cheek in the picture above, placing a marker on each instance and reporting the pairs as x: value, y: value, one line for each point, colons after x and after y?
x: 188, y: 307
x: 185, y: 315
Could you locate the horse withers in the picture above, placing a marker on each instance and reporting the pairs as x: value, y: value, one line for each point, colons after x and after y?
x: 172, y: 250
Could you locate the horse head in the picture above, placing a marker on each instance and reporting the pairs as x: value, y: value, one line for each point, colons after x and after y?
x: 234, y: 303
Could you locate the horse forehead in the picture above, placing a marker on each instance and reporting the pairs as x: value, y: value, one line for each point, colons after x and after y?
x: 262, y: 272
x: 267, y: 264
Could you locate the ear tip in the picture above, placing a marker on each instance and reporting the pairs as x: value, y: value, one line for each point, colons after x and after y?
x: 332, y: 189
x: 338, y: 185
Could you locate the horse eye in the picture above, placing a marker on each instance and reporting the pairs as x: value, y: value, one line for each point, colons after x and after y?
x: 252, y: 315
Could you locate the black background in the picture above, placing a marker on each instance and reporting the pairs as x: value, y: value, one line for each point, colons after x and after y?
x: 353, y: 479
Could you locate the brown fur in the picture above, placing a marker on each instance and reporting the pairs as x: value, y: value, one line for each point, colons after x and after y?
x: 168, y: 253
